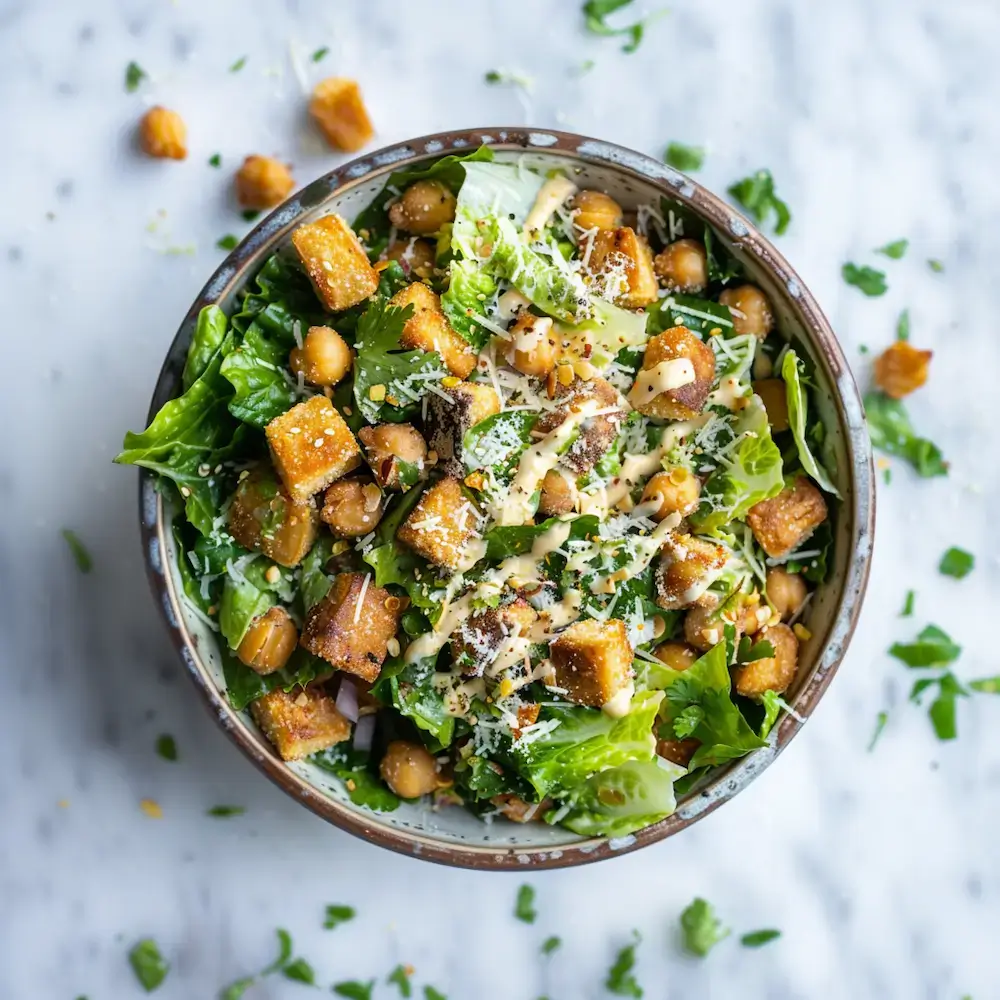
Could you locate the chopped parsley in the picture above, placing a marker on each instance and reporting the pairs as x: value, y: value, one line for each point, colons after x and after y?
x: 236, y: 989
x: 215, y: 160
x: 908, y: 604
x: 891, y: 431
x: 986, y: 685
x: 321, y: 53
x: 503, y: 76
x: 881, y: 719
x: 932, y: 648
x: 756, y: 939
x: 337, y: 914
x: 148, y: 964
x: 895, y: 250
x: 621, y: 981
x: 686, y: 158
x: 227, y: 242
x: 300, y: 971
x: 865, y: 279
x: 80, y: 554
x: 956, y: 563
x: 134, y: 75
x: 551, y: 944
x: 936, y: 266
x: 942, y: 711
x: 166, y: 746
x: 432, y: 994
x: 238, y: 65
x: 524, y: 909
x: 701, y: 929
x: 903, y: 325
x: 400, y: 978
x: 353, y: 989
x: 756, y: 194
x: 596, y: 12
x: 250, y: 214
x: 224, y: 811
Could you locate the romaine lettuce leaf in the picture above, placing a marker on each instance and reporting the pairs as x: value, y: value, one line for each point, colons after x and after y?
x: 609, y: 330
x: 356, y: 769
x: 209, y: 334
x: 470, y: 288
x: 798, y: 409
x: 244, y: 685
x: 498, y: 441
x: 256, y: 369
x: 410, y: 687
x: 244, y: 597
x: 700, y: 316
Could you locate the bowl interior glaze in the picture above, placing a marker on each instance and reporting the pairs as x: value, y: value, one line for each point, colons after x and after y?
x: 452, y: 835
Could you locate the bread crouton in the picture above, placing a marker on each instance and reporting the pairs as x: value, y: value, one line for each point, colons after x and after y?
x: 429, y: 330
x: 596, y: 433
x: 311, y: 447
x: 300, y: 723
x: 264, y: 517
x: 478, y: 641
x: 339, y: 110
x: 623, y: 259
x: 592, y: 660
x: 263, y: 182
x: 782, y: 523
x: 351, y: 627
x: 684, y: 401
x: 336, y: 262
x: 686, y: 569
x: 448, y: 420
x: 901, y: 368
x: 163, y: 134
x: 772, y: 673
x: 441, y: 525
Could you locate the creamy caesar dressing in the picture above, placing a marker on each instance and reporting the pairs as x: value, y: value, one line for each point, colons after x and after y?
x: 552, y: 195
x: 618, y: 707
x: 667, y: 375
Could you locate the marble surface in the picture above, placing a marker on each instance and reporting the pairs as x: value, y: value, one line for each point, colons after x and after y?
x: 878, y: 121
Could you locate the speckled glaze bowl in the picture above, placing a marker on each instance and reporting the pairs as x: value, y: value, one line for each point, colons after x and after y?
x: 453, y: 836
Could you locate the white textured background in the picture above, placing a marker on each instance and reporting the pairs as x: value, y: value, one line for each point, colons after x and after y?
x: 878, y: 120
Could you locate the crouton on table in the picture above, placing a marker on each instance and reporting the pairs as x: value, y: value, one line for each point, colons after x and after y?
x: 339, y: 111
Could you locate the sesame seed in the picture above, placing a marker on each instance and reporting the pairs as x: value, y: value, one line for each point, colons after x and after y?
x: 318, y: 443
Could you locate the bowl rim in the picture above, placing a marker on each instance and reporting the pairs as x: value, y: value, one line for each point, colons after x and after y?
x: 860, y: 505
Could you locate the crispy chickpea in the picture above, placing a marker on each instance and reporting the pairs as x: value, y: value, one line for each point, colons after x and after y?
x: 415, y: 255
x: 677, y: 489
x: 676, y: 655
x: 703, y: 628
x: 682, y: 266
x: 751, y: 309
x: 786, y: 591
x: 773, y: 673
x: 163, y: 134
x: 386, y: 445
x: 263, y: 182
x: 775, y: 399
x: 534, y: 348
x: 324, y: 358
x: 558, y: 495
x: 269, y: 641
x: 352, y: 507
x: 595, y: 210
x: 900, y: 369
x: 425, y: 206
x: 409, y: 770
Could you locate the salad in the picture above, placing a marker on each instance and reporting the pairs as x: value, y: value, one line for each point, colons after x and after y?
x: 504, y: 494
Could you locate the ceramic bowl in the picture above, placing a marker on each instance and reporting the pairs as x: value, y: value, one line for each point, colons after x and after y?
x: 453, y: 836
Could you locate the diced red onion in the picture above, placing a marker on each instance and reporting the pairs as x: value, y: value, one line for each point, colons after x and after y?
x: 347, y: 699
x: 364, y: 733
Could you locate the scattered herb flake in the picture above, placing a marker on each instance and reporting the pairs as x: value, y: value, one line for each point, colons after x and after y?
x: 756, y: 194
x: 134, y: 75
x: 238, y: 65
x: 148, y: 964
x: 321, y: 54
x: 524, y: 909
x: 891, y: 431
x: 250, y: 214
x: 432, y: 994
x: 224, y: 811
x: 686, y: 158
x: 909, y: 604
x: 903, y: 325
x: 936, y: 266
x: 337, y: 914
x: 880, y: 721
x: 701, y: 929
x: 506, y: 77
x: 621, y: 981
x: 228, y: 242
x: 956, y: 563
x: 862, y: 348
x: 284, y: 952
x: 551, y: 944
x: 932, y: 648
x: 236, y: 989
x: 895, y: 250
x: 166, y: 746
x: 887, y: 475
x: 353, y: 989
x: 300, y: 971
x: 80, y: 554
x: 596, y: 12
x: 756, y: 939
x: 865, y: 279
x: 986, y: 685
x: 215, y: 160
x: 400, y: 978
x: 942, y: 711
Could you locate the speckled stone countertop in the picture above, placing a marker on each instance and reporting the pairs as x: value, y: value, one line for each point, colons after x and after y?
x: 881, y: 869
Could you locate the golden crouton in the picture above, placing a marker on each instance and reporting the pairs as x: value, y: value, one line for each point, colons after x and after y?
x: 901, y: 368
x: 478, y: 641
x: 351, y: 627
x: 623, y: 258
x: 686, y: 569
x: 592, y: 660
x: 774, y: 395
x: 163, y: 134
x: 448, y: 420
x: 596, y: 433
x: 340, y: 113
x: 429, y: 330
x: 301, y: 722
x: 782, y: 523
x: 558, y: 494
x: 389, y: 444
x: 311, y: 446
x: 336, y: 262
x: 263, y: 182
x: 685, y: 401
x: 352, y: 507
x: 263, y: 516
x: 441, y: 525
x: 269, y: 641
x: 773, y: 673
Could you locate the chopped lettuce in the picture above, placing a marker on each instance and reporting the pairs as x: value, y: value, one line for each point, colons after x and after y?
x: 798, y: 411
x: 609, y: 330
x: 891, y: 431
x: 209, y: 333
x: 470, y: 288
x: 256, y: 369
x: 498, y: 441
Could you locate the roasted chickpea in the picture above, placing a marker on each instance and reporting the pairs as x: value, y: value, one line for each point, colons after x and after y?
x: 677, y: 489
x: 517, y: 810
x: 352, y: 507
x: 534, y: 348
x: 775, y: 399
x: 415, y: 255
x: 269, y: 641
x: 423, y: 208
x: 900, y: 369
x: 163, y: 134
x: 682, y: 266
x: 409, y: 770
x: 386, y: 445
x: 558, y: 495
x: 263, y: 182
x: 676, y: 655
x: 774, y: 673
x: 324, y: 358
x: 595, y: 210
x: 786, y: 591
x: 703, y: 628
x: 751, y: 310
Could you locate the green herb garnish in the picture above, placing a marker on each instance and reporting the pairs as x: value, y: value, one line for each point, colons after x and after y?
x: 432, y: 994
x: 215, y: 160
x: 756, y: 194
x: 250, y: 214
x: 942, y: 711
x: 300, y: 971
x: 956, y: 563
x: 80, y: 554
x: 551, y: 944
x: 881, y: 719
x: 337, y: 914
x: 238, y: 65
x: 596, y: 12
x: 756, y: 939
x: 686, y: 158
x: 353, y: 989
x: 524, y: 909
x: 498, y: 76
x: 932, y: 648
x: 903, y: 325
x: 224, y: 811
x: 400, y: 978
x: 228, y: 242
x: 895, y: 250
x: 236, y: 989
x: 621, y: 981
x: 865, y: 278
x: 701, y: 930
x: 908, y: 604
x: 148, y: 964
x: 986, y: 685
x: 166, y: 747
x: 321, y: 53
x: 134, y: 75
x: 891, y: 431
x: 936, y: 266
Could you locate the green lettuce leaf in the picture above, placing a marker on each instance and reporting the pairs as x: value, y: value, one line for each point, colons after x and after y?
x: 470, y: 288
x: 700, y: 316
x: 263, y: 388
x: 891, y: 431
x: 498, y: 442
x: 609, y: 330
x: 209, y: 334
x: 244, y: 685
x: 244, y: 597
x: 411, y: 689
x: 356, y: 767
x: 798, y: 411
